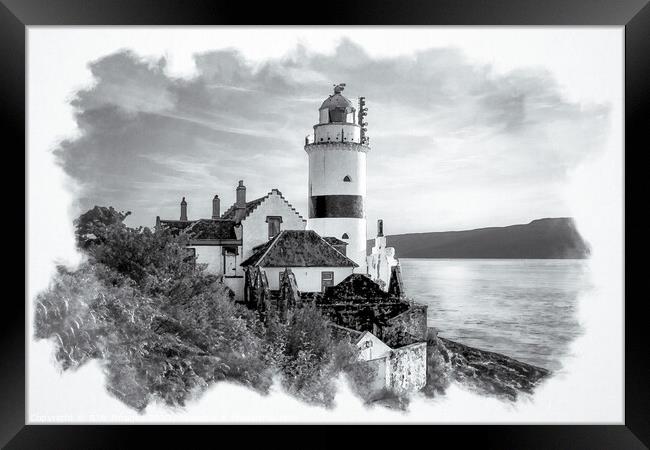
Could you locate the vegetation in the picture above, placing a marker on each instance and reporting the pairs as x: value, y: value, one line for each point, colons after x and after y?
x: 163, y: 328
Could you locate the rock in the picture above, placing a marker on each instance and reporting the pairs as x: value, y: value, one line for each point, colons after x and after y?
x: 485, y: 372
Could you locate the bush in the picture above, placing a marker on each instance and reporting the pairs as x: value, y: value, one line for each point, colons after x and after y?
x: 164, y: 329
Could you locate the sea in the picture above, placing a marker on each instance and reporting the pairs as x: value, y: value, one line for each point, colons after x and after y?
x: 522, y: 308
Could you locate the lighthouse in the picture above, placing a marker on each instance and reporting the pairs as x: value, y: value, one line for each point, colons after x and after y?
x: 337, y: 174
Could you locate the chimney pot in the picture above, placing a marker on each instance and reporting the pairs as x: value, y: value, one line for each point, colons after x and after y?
x: 216, y: 207
x: 241, y: 195
x: 183, y: 209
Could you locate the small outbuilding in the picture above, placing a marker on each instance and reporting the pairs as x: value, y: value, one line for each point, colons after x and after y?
x: 399, y: 370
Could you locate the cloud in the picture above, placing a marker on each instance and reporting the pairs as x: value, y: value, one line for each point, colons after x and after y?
x: 443, y: 129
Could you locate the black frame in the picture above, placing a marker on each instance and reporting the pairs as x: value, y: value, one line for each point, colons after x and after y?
x: 633, y: 14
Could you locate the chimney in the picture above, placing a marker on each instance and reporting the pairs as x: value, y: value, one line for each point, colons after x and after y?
x: 216, y: 206
x: 183, y: 209
x: 157, y: 223
x: 241, y: 195
x: 380, y: 228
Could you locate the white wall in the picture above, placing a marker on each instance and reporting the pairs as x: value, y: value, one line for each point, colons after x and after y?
x: 308, y: 279
x: 332, y: 133
x: 372, y: 347
x: 381, y: 261
x: 329, y: 164
x: 210, y: 255
x: 256, y: 229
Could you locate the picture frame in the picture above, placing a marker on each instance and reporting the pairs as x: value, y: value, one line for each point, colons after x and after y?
x: 634, y: 15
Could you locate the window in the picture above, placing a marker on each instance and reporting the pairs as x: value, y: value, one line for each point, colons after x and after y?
x: 347, y: 179
x: 326, y: 280
x: 274, y: 225
x: 345, y: 236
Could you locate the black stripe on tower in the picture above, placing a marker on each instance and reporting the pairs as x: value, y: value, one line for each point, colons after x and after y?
x: 322, y: 206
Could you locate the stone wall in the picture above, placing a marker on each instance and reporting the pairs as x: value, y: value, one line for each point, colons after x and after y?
x: 408, y: 368
x: 340, y: 333
x: 406, y: 328
x: 371, y: 317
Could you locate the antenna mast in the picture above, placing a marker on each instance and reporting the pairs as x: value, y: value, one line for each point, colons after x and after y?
x: 363, y: 112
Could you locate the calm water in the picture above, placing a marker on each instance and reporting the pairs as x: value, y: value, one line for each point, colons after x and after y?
x: 524, y: 308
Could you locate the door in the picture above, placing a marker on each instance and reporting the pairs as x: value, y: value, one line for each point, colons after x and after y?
x: 326, y: 279
x: 229, y: 262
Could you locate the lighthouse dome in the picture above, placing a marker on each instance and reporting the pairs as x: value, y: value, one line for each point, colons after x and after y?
x: 337, y: 108
x: 337, y: 101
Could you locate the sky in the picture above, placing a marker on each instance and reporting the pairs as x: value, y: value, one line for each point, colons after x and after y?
x: 463, y: 135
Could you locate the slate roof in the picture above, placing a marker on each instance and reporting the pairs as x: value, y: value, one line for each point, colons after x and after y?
x: 331, y: 240
x: 202, y: 229
x: 298, y: 248
x: 212, y: 229
x: 176, y: 226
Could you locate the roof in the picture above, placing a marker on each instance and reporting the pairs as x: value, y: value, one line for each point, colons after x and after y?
x: 336, y: 101
x: 175, y: 226
x: 298, y: 248
x: 230, y: 213
x: 331, y: 240
x: 214, y: 229
x: 357, y: 288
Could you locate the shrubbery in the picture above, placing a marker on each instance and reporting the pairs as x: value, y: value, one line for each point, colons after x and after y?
x: 164, y: 328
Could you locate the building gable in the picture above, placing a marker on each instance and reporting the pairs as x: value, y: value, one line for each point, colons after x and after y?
x: 256, y: 225
x: 251, y: 206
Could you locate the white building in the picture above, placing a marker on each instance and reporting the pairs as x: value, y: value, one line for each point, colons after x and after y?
x: 224, y: 241
x: 381, y: 259
x: 337, y: 175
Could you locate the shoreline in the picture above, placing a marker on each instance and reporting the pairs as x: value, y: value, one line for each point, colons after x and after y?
x: 486, y: 372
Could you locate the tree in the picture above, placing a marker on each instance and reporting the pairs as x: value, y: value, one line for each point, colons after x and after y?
x: 91, y: 226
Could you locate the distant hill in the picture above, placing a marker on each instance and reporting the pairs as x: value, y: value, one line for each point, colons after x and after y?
x: 539, y: 239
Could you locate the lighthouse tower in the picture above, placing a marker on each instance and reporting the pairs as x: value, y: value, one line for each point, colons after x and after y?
x: 337, y: 174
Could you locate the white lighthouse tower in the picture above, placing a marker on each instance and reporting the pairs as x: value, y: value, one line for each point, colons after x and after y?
x: 337, y: 174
